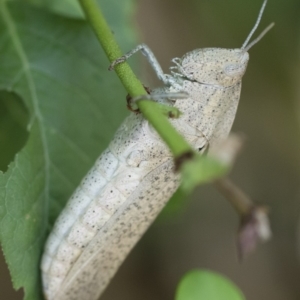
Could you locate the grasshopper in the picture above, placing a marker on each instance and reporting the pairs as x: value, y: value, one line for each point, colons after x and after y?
x: 134, y: 177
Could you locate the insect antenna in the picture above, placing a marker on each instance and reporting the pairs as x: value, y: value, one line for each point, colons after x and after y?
x: 255, y: 25
x: 259, y: 37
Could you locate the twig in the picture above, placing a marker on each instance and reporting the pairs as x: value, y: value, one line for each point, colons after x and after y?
x: 151, y: 112
x: 254, y: 223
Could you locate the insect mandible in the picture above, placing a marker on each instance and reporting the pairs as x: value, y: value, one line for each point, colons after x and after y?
x: 134, y: 177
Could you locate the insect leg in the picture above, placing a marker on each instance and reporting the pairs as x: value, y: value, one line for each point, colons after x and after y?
x: 162, y: 98
x: 150, y: 57
x: 165, y: 101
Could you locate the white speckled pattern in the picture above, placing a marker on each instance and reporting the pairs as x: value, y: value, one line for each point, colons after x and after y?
x: 134, y: 178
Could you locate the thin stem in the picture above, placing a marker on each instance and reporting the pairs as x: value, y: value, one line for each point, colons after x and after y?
x: 151, y: 112
x: 239, y: 200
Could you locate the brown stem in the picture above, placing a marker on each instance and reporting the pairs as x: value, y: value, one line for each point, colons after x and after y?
x: 239, y: 200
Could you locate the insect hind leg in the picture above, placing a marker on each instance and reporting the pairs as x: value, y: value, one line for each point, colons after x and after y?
x: 150, y: 57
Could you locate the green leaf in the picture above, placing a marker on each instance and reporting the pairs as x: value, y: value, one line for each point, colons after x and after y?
x: 207, y: 285
x: 70, y: 8
x: 13, y: 133
x: 201, y: 169
x: 174, y: 206
x: 198, y: 170
x: 66, y: 7
x: 56, y: 66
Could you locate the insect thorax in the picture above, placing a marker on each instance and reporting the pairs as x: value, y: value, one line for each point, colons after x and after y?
x: 209, y: 109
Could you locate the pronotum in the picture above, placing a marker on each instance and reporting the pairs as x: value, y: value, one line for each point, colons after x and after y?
x: 134, y: 177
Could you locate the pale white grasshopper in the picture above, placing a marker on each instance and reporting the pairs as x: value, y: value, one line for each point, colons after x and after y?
x: 134, y: 177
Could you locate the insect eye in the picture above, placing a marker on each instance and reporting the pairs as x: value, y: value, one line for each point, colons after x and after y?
x: 233, y: 69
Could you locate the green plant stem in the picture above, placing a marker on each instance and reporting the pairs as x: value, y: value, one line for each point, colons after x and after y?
x: 151, y: 112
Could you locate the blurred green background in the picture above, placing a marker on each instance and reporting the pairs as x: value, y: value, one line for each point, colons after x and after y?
x: 202, y: 235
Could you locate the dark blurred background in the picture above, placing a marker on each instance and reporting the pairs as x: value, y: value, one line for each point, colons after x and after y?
x: 202, y: 234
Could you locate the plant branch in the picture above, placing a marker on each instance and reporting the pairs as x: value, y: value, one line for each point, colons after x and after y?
x: 238, y: 199
x: 177, y: 144
x: 254, y: 222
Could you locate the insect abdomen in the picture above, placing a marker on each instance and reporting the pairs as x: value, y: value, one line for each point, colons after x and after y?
x: 98, y: 263
x: 115, y: 176
x: 89, y: 208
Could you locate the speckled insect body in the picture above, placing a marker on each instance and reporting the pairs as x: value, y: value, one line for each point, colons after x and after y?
x: 134, y: 177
